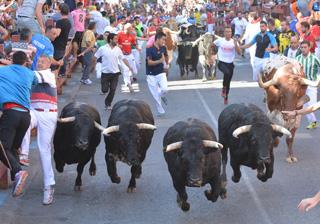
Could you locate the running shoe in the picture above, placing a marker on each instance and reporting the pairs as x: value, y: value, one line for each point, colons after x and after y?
x: 48, y: 195
x: 86, y: 81
x: 24, y: 160
x: 19, y: 182
x: 312, y: 125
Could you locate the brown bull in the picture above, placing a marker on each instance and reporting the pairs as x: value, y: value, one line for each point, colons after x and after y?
x: 285, y: 86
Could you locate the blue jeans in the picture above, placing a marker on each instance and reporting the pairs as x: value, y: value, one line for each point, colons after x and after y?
x: 87, y: 64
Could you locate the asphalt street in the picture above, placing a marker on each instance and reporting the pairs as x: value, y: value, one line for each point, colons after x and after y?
x: 102, y: 202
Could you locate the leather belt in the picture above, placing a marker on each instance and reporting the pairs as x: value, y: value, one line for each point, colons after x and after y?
x: 46, y: 110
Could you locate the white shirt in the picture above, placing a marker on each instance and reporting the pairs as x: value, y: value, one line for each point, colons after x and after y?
x: 101, y: 23
x: 239, y: 25
x: 252, y: 30
x: 110, y: 58
x: 203, y: 19
x: 292, y: 53
x: 110, y: 29
x: 226, y: 50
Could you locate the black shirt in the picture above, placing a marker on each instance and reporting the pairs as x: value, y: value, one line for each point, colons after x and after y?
x: 155, y: 54
x: 61, y: 41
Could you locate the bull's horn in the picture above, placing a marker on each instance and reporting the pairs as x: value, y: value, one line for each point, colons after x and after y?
x: 99, y: 126
x: 146, y: 126
x: 212, y: 144
x: 66, y: 119
x: 241, y: 130
x: 187, y: 31
x: 173, y: 146
x: 308, y: 82
x: 267, y: 84
x: 282, y: 130
x: 110, y: 129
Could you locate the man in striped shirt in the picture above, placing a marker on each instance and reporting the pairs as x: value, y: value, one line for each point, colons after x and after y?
x: 310, y: 65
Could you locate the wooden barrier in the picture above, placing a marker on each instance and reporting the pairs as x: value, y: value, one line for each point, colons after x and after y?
x: 4, y: 176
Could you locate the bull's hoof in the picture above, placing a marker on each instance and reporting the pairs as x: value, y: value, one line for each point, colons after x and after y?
x: 263, y: 178
x: 77, y: 188
x: 131, y: 189
x: 223, y: 193
x: 235, y: 179
x: 59, y: 169
x: 115, y: 179
x: 291, y: 159
x: 185, y: 206
x: 208, y: 194
x: 92, y: 172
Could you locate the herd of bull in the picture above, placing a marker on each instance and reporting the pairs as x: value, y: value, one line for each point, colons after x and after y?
x: 193, y: 154
x: 196, y: 46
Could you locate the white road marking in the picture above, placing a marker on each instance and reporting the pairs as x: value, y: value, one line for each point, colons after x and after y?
x: 245, y: 177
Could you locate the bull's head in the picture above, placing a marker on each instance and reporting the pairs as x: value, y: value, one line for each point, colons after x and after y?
x: 286, y: 89
x: 259, y: 140
x: 129, y: 139
x: 82, y: 129
x: 193, y: 153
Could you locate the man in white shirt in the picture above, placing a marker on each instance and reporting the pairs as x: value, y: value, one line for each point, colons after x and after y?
x: 44, y: 113
x: 293, y: 50
x: 240, y: 25
x: 111, y: 57
x: 252, y: 29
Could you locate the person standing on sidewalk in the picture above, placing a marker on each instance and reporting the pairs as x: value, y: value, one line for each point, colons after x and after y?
x: 15, y: 87
x: 87, y: 51
x: 63, y: 26
x: 44, y: 113
x: 227, y: 48
x: 311, y: 66
x: 27, y: 12
x: 111, y: 55
x: 156, y: 57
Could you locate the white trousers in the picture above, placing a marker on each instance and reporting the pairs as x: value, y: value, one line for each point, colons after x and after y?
x: 252, y: 53
x: 158, y: 86
x: 312, y: 92
x: 258, y: 66
x: 132, y: 63
x: 45, y: 122
x: 126, y: 73
x: 136, y: 55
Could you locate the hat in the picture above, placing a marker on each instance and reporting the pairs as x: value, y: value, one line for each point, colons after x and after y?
x: 127, y: 25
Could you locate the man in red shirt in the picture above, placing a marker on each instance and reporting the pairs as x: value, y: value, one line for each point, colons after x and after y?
x: 127, y: 41
x: 307, y: 35
x: 210, y: 21
x: 315, y: 31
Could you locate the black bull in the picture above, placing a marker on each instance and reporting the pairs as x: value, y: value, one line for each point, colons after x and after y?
x: 187, y: 54
x: 250, y: 136
x: 76, y: 138
x: 193, y: 158
x: 129, y: 135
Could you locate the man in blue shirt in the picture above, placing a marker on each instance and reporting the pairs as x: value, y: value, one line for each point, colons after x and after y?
x: 266, y: 43
x: 15, y: 87
x: 44, y: 46
x: 156, y: 60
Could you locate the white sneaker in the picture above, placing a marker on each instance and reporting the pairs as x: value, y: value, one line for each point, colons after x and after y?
x: 48, y: 195
x: 86, y: 82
